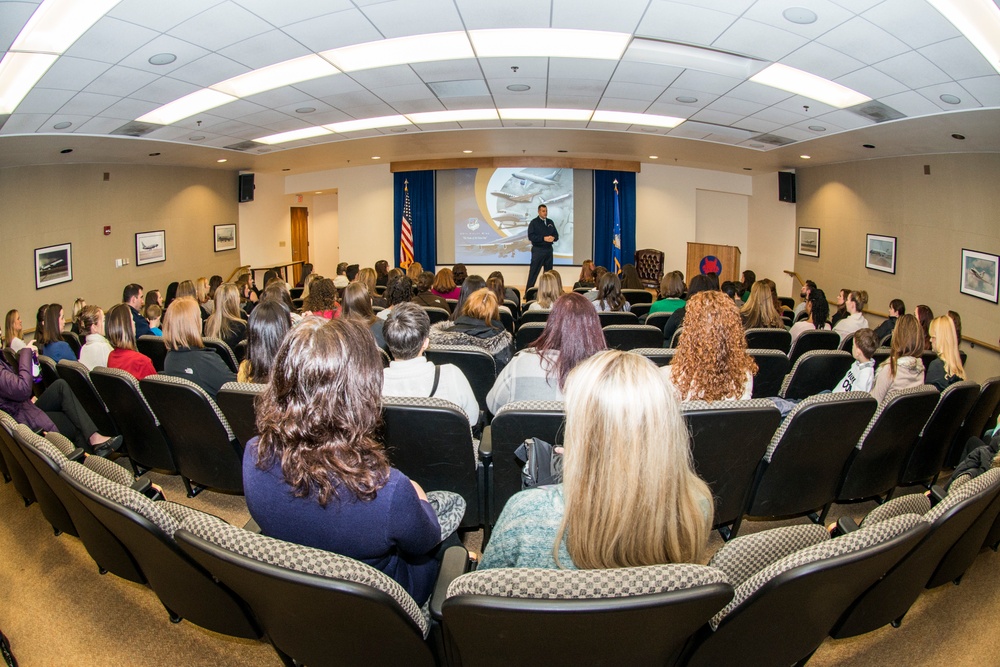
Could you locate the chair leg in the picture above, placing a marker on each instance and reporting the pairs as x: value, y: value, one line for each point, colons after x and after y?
x: 174, y: 617
x: 898, y: 621
x: 822, y: 516
x: 27, y: 502
x: 804, y: 660
x: 56, y: 531
x: 192, y: 489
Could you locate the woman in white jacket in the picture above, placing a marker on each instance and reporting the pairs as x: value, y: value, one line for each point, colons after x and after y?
x: 856, y: 302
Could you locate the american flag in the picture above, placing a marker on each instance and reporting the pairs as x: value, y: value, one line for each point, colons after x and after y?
x: 616, y: 243
x: 406, y: 231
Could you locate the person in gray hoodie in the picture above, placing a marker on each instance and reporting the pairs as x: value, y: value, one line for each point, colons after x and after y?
x: 903, y: 368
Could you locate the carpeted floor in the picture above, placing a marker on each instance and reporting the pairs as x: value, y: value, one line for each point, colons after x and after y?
x: 57, y: 610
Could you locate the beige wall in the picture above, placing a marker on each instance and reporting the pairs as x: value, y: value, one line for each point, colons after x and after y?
x: 51, y: 205
x: 933, y: 217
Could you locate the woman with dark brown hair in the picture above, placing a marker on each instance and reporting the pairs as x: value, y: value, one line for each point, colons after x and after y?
x: 425, y: 295
x: 841, y: 311
x: 924, y: 315
x: 630, y: 277
x: 317, y: 476
x: 586, y: 278
x: 609, y: 295
x: 119, y: 327
x: 50, y: 341
x: 382, y: 273
x: 357, y: 305
x: 904, y: 368
x: 712, y: 363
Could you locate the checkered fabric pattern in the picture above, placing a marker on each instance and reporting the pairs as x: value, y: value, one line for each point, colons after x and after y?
x: 744, y: 556
x: 691, y: 406
x: 109, y: 470
x: 959, y: 481
x: 449, y: 508
x: 532, y: 406
x: 812, y: 400
x: 971, y: 488
x: 914, y: 503
x: 302, y: 559
x: 60, y: 442
x: 7, y: 422
x: 251, y: 387
x: 122, y: 495
x: 804, y: 359
x: 169, y: 379
x: 464, y: 349
x: 944, y: 394
x: 128, y: 377
x: 855, y: 541
x: 179, y: 513
x: 225, y: 347
x: 85, y: 372
x: 47, y: 448
x: 890, y: 398
x: 655, y: 351
x: 539, y: 583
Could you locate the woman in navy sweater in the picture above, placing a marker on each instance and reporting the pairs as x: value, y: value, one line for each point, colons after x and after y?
x: 317, y: 477
x: 51, y: 342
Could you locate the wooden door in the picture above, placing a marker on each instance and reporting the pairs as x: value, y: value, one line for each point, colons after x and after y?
x: 300, y: 240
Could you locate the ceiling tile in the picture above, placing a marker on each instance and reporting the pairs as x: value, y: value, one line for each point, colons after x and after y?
x: 209, y: 70
x: 331, y: 31
x: 689, y: 132
x: 169, y: 133
x: 821, y: 60
x: 857, y: 6
x: 238, y: 109
x: 398, y: 18
x: 376, y: 110
x: 265, y: 49
x: 706, y: 82
x: 44, y: 100
x: 734, y: 7
x: 13, y: 16
x: 573, y: 101
x: 634, y: 91
x: 101, y: 125
x: 759, y: 125
x: 286, y: 96
x: 586, y: 87
x: 679, y: 22
x: 816, y: 122
x: 163, y: 90
x: 220, y: 26
x: 847, y: 119
x: 505, y: 100
x: 863, y: 40
x: 275, y: 120
x: 633, y: 72
x: 120, y: 81
x: 160, y: 16
x: 185, y: 52
x: 71, y: 73
x: 24, y: 123
x: 284, y: 13
x: 958, y: 58
x: 328, y: 117
x: 438, y: 127
x: 796, y: 104
x: 871, y: 82
x: 329, y: 85
x: 77, y: 122
x: 795, y: 133
x: 619, y: 16
x: 88, y: 104
x: 128, y: 109
x: 665, y: 108
x: 400, y: 75
x: 526, y: 67
x: 417, y: 105
x: 985, y: 88
x: 498, y: 86
x: 934, y: 93
x: 109, y: 40
x: 828, y: 16
x: 913, y: 70
x: 477, y: 14
x: 759, y: 93
x: 758, y: 40
x: 915, y: 23
x: 356, y: 98
x: 451, y: 70
x: 582, y: 68
x: 481, y: 124
x: 911, y: 103
x: 732, y: 105
x: 717, y: 117
x: 393, y: 94
x: 622, y: 104
x: 776, y: 115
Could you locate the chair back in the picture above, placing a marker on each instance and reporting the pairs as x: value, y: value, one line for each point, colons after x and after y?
x: 769, y: 339
x: 200, y: 439
x: 634, y: 296
x: 534, y: 316
x: 632, y: 336
x: 787, y: 302
x: 977, y: 421
x: 649, y: 266
x: 316, y: 607
x: 436, y: 314
x: 847, y: 345
x: 929, y: 452
x: 430, y: 441
x: 144, y: 439
x: 73, y: 341
x: 513, y: 424
x: 14, y: 458
x: 236, y: 400
x: 661, y: 356
x: 676, y: 338
x: 11, y: 357
x: 154, y: 348
x: 815, y: 371
x: 77, y: 376
x: 961, y: 554
x: 477, y: 365
x: 221, y: 348
x: 640, y: 310
x: 527, y: 334
x: 49, y: 372
x: 530, y: 294
x: 508, y: 320
x: 772, y: 367
x: 816, y: 339
x: 619, y: 317
x: 728, y: 441
x: 241, y: 350
x: 876, y: 464
x: 43, y: 473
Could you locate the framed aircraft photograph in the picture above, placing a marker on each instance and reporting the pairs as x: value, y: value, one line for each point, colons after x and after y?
x: 979, y: 274
x: 53, y: 265
x: 880, y: 253
x: 809, y: 241
x: 225, y: 237
x: 150, y: 247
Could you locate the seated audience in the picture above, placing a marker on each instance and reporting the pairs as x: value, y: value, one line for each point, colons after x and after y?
x: 496, y: 286
x: 213, y: 286
x: 818, y: 311
x: 226, y: 321
x: 732, y: 290
x: 856, y: 302
x: 51, y: 341
x: 132, y: 295
x: 947, y: 369
x: 509, y: 293
x: 119, y: 327
x: 593, y: 294
x: 903, y: 368
x: 924, y: 315
x: 74, y: 325
x: 399, y: 291
x: 172, y: 293
x: 317, y: 476
x: 406, y: 333
x: 278, y: 291
x: 444, y: 284
x: 586, y: 278
x: 629, y: 495
x: 248, y: 296
x: 807, y: 287
x: 13, y: 330
x: 957, y: 319
x: 322, y: 299
x: 549, y: 289
x: 672, y: 289
x: 572, y: 333
x: 478, y: 326
x: 472, y: 284
x: 96, y: 348
x: 187, y: 357
x: 425, y: 295
x: 630, y: 277
x: 357, y: 305
x: 201, y: 289
x: 340, y: 280
x: 896, y: 308
x: 459, y: 273
x: 699, y: 283
x: 747, y: 279
x: 861, y: 375
x: 307, y: 268
x: 841, y: 311
x: 414, y: 270
x: 381, y: 273
x: 266, y: 330
x: 759, y: 311
x: 609, y: 295
x: 712, y: 363
x: 369, y: 279
x: 352, y: 272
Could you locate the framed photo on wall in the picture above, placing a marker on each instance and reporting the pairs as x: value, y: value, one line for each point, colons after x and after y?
x: 150, y: 247
x: 809, y: 241
x: 53, y: 265
x: 880, y: 253
x: 225, y: 237
x: 979, y: 274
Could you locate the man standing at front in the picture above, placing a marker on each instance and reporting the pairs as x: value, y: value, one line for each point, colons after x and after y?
x: 542, y: 233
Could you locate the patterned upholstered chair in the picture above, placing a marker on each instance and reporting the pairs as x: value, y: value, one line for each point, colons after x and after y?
x: 676, y: 338
x: 200, y: 439
x: 977, y: 421
x: 527, y: 334
x: 236, y: 400
x: 620, y: 317
x: 792, y: 584
x: 769, y: 339
x: 661, y: 356
x: 437, y: 314
x: 627, y: 616
x: 637, y: 296
x: 477, y: 365
x: 314, y: 606
x: 815, y: 371
x: 47, y: 365
x: 153, y: 347
x: 221, y: 348
x: 632, y: 336
x: 77, y: 376
x: 658, y: 320
x: 13, y: 457
x: 892, y: 596
x: 817, y: 339
x: 40, y: 474
x: 146, y: 528
x: 649, y: 266
x: 929, y: 452
x: 772, y: 367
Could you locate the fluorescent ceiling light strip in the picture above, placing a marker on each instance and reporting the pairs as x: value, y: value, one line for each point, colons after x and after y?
x: 455, y: 116
x: 546, y: 114
x: 275, y: 76
x: 368, y: 124
x: 19, y: 72
x: 56, y: 24
x: 189, y: 105
x: 293, y: 135
x: 809, y: 85
x: 549, y: 43
x: 979, y: 21
x: 689, y: 57
x: 636, y: 119
x: 401, y: 51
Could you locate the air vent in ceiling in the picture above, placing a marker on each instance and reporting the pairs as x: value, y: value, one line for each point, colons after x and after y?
x: 243, y: 146
x: 876, y: 111
x: 136, y: 129
x: 773, y: 140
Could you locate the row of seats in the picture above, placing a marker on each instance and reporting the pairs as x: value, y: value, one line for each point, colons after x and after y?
x: 773, y: 596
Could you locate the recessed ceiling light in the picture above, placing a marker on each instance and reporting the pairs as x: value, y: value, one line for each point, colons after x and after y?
x: 319, y: 192
x: 62, y: 126
x: 153, y: 154
x: 66, y: 150
x: 648, y: 130
x: 698, y: 58
x: 466, y: 151
x: 399, y: 129
x: 189, y: 105
x: 817, y: 128
x: 453, y: 116
x: 868, y: 145
x: 197, y: 137
x: 645, y: 119
x: 293, y: 135
x: 274, y: 76
x: 960, y: 137
x: 654, y: 157
x: 805, y: 157
x: 305, y: 110
x: 162, y: 59
x: 799, y: 15
x: 376, y: 157
x: 401, y: 51
x: 222, y: 160
x: 686, y: 99
x: 549, y: 43
x: 950, y: 99
x: 808, y: 85
x: 518, y: 87
x: 367, y: 123
x: 546, y: 114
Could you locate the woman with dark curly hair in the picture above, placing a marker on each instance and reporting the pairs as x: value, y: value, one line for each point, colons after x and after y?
x: 322, y: 299
x: 317, y: 476
x: 818, y: 311
x: 712, y: 363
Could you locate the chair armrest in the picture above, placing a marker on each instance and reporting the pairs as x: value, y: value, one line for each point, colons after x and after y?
x: 77, y: 455
x: 486, y: 445
x: 454, y: 563
x: 845, y: 525
x: 937, y: 494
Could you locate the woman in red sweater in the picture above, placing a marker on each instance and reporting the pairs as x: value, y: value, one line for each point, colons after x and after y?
x: 119, y: 328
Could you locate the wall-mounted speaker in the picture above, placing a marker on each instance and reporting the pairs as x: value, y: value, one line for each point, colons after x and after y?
x: 786, y: 186
x: 246, y: 188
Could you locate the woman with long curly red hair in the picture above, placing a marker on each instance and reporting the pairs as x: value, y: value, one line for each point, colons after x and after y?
x: 712, y: 363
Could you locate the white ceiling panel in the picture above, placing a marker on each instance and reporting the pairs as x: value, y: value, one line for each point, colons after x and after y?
x: 985, y: 88
x: 761, y: 94
x: 163, y: 90
x: 222, y: 25
x: 110, y: 40
x: 586, y: 87
x: 796, y: 104
x: 758, y: 40
x: 913, y: 70
x: 706, y: 82
x: 958, y: 58
x: 72, y: 73
x: 355, y: 98
x: 128, y: 109
x: 394, y: 94
x: 634, y: 91
x: 265, y: 49
x: 13, y: 16
x: 526, y: 67
x: 440, y: 127
x: 417, y: 105
x: 400, y: 75
x: 934, y: 93
x: 691, y: 132
x: 622, y: 104
x: 480, y: 124
x: 821, y: 60
x: 863, y: 40
x: 504, y: 100
x: 498, y: 86
x: 477, y: 14
x: 44, y: 100
x: 100, y: 125
x: 209, y: 70
x: 284, y: 13
x: 233, y: 110
x: 375, y: 110
x: 760, y: 125
x: 337, y: 84
x: 916, y: 23
x: 466, y: 88
x: 673, y: 109
x: 275, y: 120
x: 796, y: 133
x: 170, y: 133
x: 160, y: 16
x: 633, y: 72
x: 452, y: 70
x: 573, y: 101
x: 399, y: 18
x: 734, y: 7
x: 281, y: 97
x: 581, y: 68
x: 55, y: 119
x: 717, y: 117
x: 857, y: 6
x: 871, y: 82
x: 24, y: 123
x: 185, y: 52
x: 328, y: 116
x: 618, y: 16
x: 911, y: 103
x: 120, y: 81
x: 88, y: 104
x: 678, y: 22
x: 732, y: 105
x: 781, y: 116
x: 331, y: 31
x: 846, y: 119
x: 815, y: 134
x: 771, y: 12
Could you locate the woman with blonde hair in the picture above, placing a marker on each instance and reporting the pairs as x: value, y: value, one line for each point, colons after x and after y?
x: 369, y: 279
x: 549, y: 289
x: 187, y: 357
x: 623, y: 426
x: 96, y: 347
x: 759, y: 312
x: 13, y: 330
x: 947, y: 369
x: 414, y: 270
x: 712, y: 363
x: 226, y: 321
x: 444, y: 284
x: 201, y: 293
x: 903, y: 368
x: 74, y: 323
x: 479, y: 326
x: 855, y: 320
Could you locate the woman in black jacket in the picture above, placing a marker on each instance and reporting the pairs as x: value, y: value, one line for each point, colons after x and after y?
x: 187, y: 357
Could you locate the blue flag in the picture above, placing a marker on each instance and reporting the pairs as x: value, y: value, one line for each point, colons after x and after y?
x: 616, y: 244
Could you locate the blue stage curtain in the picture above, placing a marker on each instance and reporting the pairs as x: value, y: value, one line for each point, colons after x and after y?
x: 604, y: 216
x: 421, y: 187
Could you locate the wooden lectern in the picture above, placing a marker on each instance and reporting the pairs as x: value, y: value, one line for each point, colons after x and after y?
x: 728, y: 257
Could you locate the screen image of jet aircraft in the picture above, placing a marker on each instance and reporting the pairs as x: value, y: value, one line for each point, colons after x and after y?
x: 513, y: 197
x: 551, y: 179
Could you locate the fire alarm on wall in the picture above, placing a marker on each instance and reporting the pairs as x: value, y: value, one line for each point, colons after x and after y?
x: 107, y: 230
